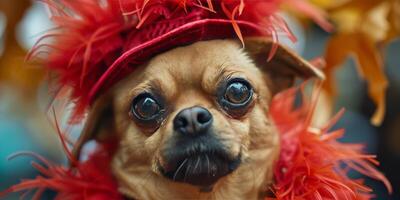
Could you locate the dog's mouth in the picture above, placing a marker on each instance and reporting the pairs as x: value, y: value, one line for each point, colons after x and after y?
x: 202, y: 169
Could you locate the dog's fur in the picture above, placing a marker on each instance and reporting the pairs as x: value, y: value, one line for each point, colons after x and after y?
x: 189, y: 76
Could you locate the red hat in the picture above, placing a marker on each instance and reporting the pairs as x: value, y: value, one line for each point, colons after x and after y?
x: 97, y: 43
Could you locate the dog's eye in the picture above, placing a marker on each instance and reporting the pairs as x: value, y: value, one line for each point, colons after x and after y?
x: 235, y: 96
x: 237, y: 93
x: 145, y: 107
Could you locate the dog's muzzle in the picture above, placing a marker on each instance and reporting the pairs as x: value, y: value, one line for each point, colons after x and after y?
x: 195, y: 156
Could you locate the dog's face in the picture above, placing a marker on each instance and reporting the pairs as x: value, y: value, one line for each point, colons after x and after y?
x: 196, y: 115
x: 190, y: 111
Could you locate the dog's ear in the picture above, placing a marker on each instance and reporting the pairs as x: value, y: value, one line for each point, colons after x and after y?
x: 98, y: 124
x: 284, y: 66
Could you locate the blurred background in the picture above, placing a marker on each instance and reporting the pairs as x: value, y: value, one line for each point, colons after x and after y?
x: 25, y: 123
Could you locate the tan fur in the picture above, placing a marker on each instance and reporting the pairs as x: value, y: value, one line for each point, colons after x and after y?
x: 188, y: 76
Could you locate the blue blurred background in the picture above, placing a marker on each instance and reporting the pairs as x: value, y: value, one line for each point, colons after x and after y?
x: 25, y: 125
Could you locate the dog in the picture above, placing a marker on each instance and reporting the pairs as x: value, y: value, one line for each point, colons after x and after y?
x: 193, y: 123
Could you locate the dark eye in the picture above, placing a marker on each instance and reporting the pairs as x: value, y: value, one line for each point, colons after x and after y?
x: 146, y: 108
x: 237, y: 93
x: 235, y: 96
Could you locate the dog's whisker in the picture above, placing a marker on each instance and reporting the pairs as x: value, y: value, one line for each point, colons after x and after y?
x: 197, y: 164
x: 179, y: 168
x: 187, y: 171
x: 208, y: 164
x: 193, y: 171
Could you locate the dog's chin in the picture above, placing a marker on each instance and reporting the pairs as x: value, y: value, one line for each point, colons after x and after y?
x: 203, y: 169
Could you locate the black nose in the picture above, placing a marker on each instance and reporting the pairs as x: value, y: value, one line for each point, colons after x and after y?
x: 193, y: 121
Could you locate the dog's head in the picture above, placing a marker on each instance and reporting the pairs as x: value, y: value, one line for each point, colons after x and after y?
x: 197, y: 113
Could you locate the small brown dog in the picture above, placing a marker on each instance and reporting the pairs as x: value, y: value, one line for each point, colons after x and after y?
x: 193, y: 122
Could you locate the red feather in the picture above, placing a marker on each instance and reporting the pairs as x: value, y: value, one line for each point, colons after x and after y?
x: 313, y: 164
x: 87, y: 180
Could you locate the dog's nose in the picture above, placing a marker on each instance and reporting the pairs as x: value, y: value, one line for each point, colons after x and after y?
x: 193, y: 121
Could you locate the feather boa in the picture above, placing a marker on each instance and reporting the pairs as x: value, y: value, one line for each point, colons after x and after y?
x: 97, y: 42
x: 312, y: 163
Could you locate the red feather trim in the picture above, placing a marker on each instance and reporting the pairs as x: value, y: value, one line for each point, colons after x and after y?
x: 88, y: 180
x: 92, y: 36
x: 312, y: 164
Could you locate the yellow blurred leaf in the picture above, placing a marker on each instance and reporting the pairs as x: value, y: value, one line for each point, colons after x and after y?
x: 326, y: 4
x: 369, y: 63
x: 378, y: 18
x: 394, y: 20
x: 363, y: 5
x: 361, y: 26
x: 375, y: 23
x: 346, y: 20
x: 14, y: 71
x: 370, y: 17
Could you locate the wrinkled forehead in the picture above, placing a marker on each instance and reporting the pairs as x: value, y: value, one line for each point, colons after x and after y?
x: 198, y: 66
